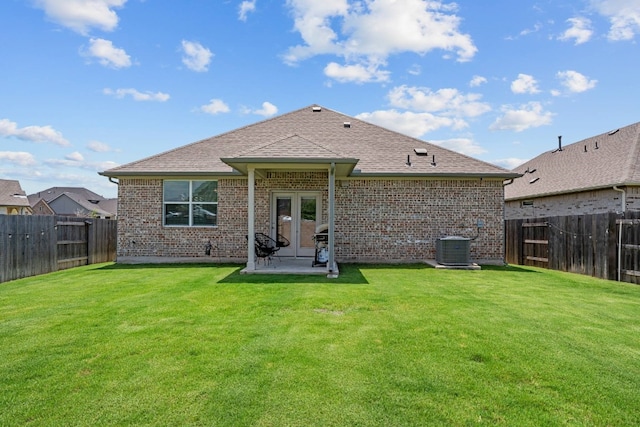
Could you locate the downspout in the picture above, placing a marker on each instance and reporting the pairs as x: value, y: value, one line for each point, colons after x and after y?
x: 332, y: 196
x: 112, y: 181
x: 624, y: 209
x: 624, y: 198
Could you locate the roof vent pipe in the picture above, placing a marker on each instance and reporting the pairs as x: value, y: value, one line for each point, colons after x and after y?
x: 408, y: 160
x: 433, y: 160
x: 559, y: 142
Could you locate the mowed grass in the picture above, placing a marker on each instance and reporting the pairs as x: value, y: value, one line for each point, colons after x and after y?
x: 379, y: 346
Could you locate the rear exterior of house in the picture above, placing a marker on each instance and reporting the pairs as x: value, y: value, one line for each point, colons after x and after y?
x: 383, y: 196
x: 599, y: 174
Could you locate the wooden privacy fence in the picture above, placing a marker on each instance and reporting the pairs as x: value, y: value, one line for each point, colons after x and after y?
x: 38, y: 244
x: 600, y: 245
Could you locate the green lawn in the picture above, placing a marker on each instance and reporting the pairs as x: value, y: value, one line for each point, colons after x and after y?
x: 379, y: 346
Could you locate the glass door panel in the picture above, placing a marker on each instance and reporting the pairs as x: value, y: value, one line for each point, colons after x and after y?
x: 307, y: 224
x: 295, y: 217
x: 284, y: 223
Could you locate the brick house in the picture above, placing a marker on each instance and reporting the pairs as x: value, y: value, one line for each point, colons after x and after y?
x: 596, y: 175
x: 383, y: 196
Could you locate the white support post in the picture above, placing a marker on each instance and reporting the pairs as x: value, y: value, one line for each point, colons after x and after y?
x: 332, y: 195
x: 251, y: 250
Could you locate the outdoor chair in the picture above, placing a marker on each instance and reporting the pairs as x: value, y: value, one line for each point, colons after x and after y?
x: 266, y: 247
x: 282, y: 242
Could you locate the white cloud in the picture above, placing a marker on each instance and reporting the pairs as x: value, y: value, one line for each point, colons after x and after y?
x: 509, y: 163
x: 107, y: 54
x: 76, y: 160
x: 20, y: 158
x: 98, y: 147
x: 76, y: 156
x: 415, y: 70
x: 448, y: 101
x: 461, y: 145
x: 522, y: 118
x: 477, y: 81
x: 267, y: 110
x: 580, y: 30
x: 196, y: 57
x: 537, y: 27
x: 525, y: 84
x: 32, y: 133
x: 82, y: 15
x: 215, y: 106
x: 366, y: 33
x: 575, y: 82
x: 246, y: 7
x: 355, y: 73
x: 409, y: 123
x: 136, y: 95
x: 624, y: 16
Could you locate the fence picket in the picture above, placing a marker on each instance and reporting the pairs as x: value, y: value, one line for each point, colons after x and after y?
x: 36, y: 244
x: 584, y: 244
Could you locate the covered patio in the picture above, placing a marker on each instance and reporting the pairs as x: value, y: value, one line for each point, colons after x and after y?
x: 287, y: 265
x: 293, y: 153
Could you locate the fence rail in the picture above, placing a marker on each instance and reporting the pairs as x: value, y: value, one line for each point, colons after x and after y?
x: 600, y: 245
x: 36, y: 244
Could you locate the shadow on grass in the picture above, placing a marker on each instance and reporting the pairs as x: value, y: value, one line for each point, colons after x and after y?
x: 349, y: 274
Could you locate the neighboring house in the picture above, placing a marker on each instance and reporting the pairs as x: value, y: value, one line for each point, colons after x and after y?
x: 13, y: 200
x: 383, y: 196
x: 72, y: 201
x: 596, y: 175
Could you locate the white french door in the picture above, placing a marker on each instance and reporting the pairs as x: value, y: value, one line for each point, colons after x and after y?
x: 295, y: 216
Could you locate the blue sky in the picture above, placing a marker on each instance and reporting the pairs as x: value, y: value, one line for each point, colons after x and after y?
x: 86, y: 85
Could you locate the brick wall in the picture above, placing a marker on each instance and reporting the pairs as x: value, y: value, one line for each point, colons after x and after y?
x: 400, y: 220
x: 586, y: 202
x: 376, y: 219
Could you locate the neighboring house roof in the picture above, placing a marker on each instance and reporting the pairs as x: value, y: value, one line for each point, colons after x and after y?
x: 82, y: 197
x: 312, y: 134
x: 52, y: 193
x: 11, y: 194
x: 601, y: 161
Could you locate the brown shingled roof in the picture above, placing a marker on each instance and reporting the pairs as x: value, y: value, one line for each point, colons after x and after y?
x: 308, y: 134
x: 11, y: 193
x: 601, y: 161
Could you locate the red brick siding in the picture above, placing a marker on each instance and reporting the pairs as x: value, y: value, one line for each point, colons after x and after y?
x: 376, y: 219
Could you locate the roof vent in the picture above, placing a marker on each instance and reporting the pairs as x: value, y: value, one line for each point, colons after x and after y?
x: 534, y: 180
x: 316, y: 109
x: 597, y: 145
x: 613, y: 132
x: 347, y: 124
x: 420, y: 151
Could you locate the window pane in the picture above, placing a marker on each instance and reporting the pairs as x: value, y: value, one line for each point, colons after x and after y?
x: 176, y: 191
x: 205, y: 191
x: 205, y: 214
x: 176, y: 214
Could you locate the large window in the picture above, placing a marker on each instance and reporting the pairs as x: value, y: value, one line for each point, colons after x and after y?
x: 190, y: 203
